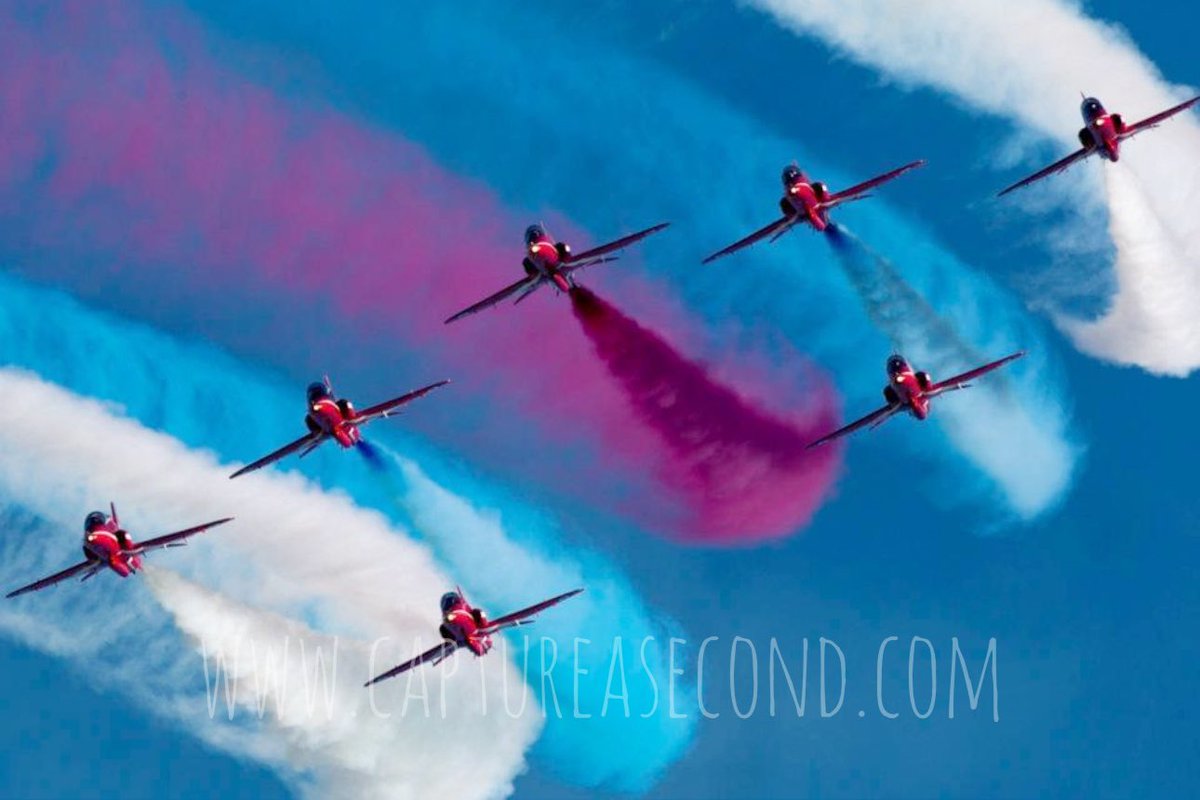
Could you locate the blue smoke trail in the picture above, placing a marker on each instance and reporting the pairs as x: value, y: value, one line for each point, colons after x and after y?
x: 371, y: 456
x: 584, y: 129
x: 208, y: 400
x: 895, y: 308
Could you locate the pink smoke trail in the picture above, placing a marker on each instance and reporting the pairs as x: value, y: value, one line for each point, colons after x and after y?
x: 746, y: 472
x: 144, y: 173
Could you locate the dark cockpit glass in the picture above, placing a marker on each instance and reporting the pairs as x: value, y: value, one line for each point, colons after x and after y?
x: 94, y: 520
x: 896, y: 365
x: 1091, y: 107
x: 316, y: 392
x: 449, y: 601
x: 791, y: 174
x: 533, y: 234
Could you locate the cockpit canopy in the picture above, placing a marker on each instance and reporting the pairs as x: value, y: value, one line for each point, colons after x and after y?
x: 534, y: 233
x: 896, y: 364
x: 449, y: 601
x: 791, y: 174
x: 1091, y: 107
x: 317, y: 391
x: 94, y: 520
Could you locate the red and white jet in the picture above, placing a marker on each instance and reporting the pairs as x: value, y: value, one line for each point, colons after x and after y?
x: 106, y: 544
x: 331, y: 418
x: 1101, y: 134
x: 547, y: 261
x: 912, y: 392
x: 466, y: 626
x: 808, y: 201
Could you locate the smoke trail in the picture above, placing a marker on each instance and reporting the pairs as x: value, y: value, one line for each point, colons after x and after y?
x: 295, y: 551
x: 370, y: 744
x: 295, y: 203
x: 371, y: 455
x: 1026, y: 60
x: 747, y: 472
x: 207, y: 399
x: 994, y: 427
x: 902, y: 314
x: 1158, y: 288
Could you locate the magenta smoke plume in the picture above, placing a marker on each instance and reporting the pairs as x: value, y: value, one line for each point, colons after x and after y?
x: 743, y: 472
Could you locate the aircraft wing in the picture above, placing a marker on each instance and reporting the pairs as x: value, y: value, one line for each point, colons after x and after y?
x: 1057, y: 166
x: 171, y: 539
x: 1150, y: 122
x: 875, y: 418
x: 528, y: 282
x: 865, y: 186
x: 310, y: 441
x: 517, y: 617
x: 959, y: 381
x: 387, y: 407
x: 432, y: 654
x: 69, y: 572
x: 775, y: 228
x: 619, y: 244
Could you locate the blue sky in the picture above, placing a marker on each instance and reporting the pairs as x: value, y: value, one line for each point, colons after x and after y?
x: 1092, y: 603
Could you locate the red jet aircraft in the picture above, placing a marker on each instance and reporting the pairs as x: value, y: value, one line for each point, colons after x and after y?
x: 548, y: 261
x: 807, y: 201
x: 1102, y: 133
x: 106, y: 544
x: 331, y: 418
x: 911, y: 391
x: 466, y: 626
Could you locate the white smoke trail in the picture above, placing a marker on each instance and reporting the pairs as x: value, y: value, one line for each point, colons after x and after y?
x: 1027, y: 60
x: 327, y: 723
x: 299, y: 552
x: 1156, y: 285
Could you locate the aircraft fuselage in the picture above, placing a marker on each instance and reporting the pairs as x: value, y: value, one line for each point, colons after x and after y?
x: 907, y: 387
x: 804, y: 198
x: 547, y: 257
x: 327, y: 416
x: 461, y: 624
x: 1101, y: 129
x: 103, y: 543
